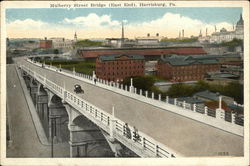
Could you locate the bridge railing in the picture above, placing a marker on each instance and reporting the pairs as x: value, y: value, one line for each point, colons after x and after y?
x: 170, y: 104
x: 136, y: 140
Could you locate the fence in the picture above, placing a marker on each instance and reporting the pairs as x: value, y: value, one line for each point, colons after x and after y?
x: 139, y: 142
x: 169, y: 104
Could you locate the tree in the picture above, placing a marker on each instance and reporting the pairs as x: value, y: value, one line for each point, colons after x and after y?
x: 180, y: 90
x: 235, y: 90
x: 140, y: 82
x: 56, y: 51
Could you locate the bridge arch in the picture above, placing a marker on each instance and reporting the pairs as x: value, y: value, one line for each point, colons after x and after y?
x: 90, y: 137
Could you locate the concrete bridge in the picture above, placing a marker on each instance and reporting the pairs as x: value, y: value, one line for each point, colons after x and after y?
x: 164, y: 129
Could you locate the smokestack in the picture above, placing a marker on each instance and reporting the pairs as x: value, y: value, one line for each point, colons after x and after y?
x: 182, y: 33
x: 179, y: 34
x: 206, y: 31
x: 122, y: 31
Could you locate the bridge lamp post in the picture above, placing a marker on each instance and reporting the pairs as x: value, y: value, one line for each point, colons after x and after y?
x: 131, y: 84
x: 53, y: 125
x: 74, y: 70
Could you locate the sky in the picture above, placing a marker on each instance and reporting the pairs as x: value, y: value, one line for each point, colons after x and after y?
x: 106, y: 22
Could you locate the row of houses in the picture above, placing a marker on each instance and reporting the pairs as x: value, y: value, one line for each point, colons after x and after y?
x: 175, y: 68
x: 56, y: 43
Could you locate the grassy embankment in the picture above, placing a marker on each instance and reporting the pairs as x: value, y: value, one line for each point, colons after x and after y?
x: 84, y: 67
x: 185, y: 40
x: 88, y: 43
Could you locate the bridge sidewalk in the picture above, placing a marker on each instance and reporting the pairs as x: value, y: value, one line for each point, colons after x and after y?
x: 26, y: 141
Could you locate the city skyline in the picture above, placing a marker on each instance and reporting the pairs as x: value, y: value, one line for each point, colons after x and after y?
x: 106, y: 22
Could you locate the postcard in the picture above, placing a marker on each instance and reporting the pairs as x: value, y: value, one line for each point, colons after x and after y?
x: 125, y: 83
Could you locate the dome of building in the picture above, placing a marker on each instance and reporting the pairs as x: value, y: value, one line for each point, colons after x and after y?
x: 223, y: 30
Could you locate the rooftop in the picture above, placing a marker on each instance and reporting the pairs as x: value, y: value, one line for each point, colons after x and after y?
x: 114, y: 57
x: 208, y: 95
x: 190, y: 100
x: 177, y: 60
x: 215, y: 104
x: 146, y: 51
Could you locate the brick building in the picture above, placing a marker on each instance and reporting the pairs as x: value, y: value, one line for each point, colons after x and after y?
x: 45, y: 43
x: 118, y: 67
x: 148, y: 53
x: 185, y: 68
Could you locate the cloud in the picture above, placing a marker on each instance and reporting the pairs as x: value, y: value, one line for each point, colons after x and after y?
x: 93, y: 21
x: 170, y: 24
x: 27, y: 24
x: 94, y: 26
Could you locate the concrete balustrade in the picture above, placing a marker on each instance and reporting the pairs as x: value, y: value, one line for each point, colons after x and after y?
x: 194, y: 107
x: 233, y: 118
x: 184, y: 104
x: 156, y: 150
x: 220, y: 114
x: 175, y: 101
x: 167, y: 99
x: 205, y: 110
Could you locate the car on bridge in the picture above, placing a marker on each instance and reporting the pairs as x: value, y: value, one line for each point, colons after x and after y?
x: 78, y: 89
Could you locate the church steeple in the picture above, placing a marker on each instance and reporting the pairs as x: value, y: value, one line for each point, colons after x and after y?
x: 240, y: 22
x: 200, y: 35
x: 75, y: 37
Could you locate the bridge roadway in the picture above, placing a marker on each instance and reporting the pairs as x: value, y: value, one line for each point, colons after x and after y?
x: 186, y: 136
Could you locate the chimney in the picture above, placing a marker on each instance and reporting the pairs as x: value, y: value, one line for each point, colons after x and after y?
x: 162, y: 56
x: 122, y: 31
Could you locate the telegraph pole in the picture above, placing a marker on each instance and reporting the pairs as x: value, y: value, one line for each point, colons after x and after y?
x: 52, y: 136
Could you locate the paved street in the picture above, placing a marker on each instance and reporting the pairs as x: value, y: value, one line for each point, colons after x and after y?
x: 184, y: 135
x: 25, y: 140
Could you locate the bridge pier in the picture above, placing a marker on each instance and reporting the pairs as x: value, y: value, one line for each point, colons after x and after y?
x: 57, y: 115
x: 33, y: 89
x: 42, y: 104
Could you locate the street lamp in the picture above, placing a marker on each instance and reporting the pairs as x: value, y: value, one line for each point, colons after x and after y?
x: 53, y: 125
